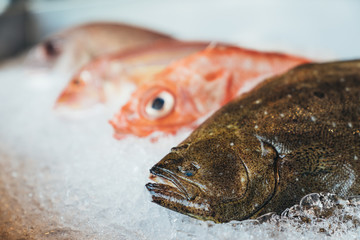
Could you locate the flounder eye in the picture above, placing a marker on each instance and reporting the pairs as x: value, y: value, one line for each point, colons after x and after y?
x: 160, y: 105
x: 189, y: 170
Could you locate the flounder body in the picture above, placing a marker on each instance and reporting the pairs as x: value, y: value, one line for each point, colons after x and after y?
x: 294, y: 134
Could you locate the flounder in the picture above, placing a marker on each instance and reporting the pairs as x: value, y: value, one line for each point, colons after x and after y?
x: 292, y: 135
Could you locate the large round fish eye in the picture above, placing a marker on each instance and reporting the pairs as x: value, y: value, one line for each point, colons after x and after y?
x: 190, y: 169
x: 159, y: 106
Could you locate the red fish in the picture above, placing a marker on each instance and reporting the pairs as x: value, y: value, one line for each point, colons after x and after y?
x: 195, y: 87
x: 70, y: 49
x: 103, y: 80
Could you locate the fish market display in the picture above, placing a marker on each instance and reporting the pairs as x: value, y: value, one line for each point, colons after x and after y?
x: 103, y: 79
x: 293, y: 135
x: 194, y: 87
x: 70, y: 49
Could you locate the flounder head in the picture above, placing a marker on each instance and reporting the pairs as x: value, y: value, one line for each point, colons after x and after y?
x: 216, y: 179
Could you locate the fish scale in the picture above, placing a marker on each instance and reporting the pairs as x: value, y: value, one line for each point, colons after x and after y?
x: 293, y: 135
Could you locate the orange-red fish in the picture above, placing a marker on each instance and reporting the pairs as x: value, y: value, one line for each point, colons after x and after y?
x: 103, y: 79
x: 70, y: 49
x: 194, y: 87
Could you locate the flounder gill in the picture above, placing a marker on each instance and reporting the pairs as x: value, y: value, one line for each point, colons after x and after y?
x: 294, y: 134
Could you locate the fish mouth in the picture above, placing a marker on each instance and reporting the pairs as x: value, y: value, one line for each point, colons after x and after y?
x: 167, y: 180
x: 65, y: 98
x: 123, y: 128
x: 177, y: 194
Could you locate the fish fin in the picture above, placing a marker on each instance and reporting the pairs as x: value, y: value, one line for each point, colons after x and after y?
x: 315, y: 159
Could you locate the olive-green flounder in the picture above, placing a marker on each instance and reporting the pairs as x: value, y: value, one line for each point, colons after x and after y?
x: 294, y: 134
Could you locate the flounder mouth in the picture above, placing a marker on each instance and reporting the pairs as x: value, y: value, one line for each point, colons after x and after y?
x: 165, y: 180
x: 170, y: 192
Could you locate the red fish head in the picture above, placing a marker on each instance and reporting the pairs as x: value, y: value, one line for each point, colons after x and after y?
x: 155, y: 107
x: 81, y: 92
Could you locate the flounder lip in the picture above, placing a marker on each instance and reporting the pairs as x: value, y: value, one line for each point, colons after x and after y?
x: 163, y: 192
x: 167, y: 183
x: 170, y: 193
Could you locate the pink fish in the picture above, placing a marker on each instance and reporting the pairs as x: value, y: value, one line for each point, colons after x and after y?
x: 105, y: 79
x: 70, y: 49
x: 195, y: 86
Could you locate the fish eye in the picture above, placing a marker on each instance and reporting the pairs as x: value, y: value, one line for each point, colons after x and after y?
x: 77, y: 82
x: 189, y: 173
x: 52, y: 47
x: 160, y: 105
x: 189, y: 170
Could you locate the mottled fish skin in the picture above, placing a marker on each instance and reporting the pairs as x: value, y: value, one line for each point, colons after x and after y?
x: 292, y: 135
